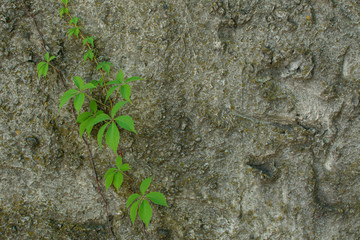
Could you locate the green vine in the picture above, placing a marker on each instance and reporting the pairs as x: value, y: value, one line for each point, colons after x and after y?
x: 110, y: 120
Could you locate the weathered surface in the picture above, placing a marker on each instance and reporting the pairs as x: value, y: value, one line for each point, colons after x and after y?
x: 248, y: 120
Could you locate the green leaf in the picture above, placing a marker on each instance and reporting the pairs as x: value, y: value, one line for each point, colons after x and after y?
x: 63, y: 10
x: 93, y: 106
x: 47, y: 56
x: 119, y: 161
x: 117, y: 107
x: 77, y: 31
x: 45, y: 69
x: 133, y: 211
x: 112, y: 137
x: 89, y: 85
x: 131, y: 199
x: 109, y: 171
x: 66, y: 97
x: 145, y: 212
x: 105, y: 66
x: 118, y: 180
x: 124, y: 167
x: 74, y: 21
x: 120, y: 77
x: 41, y: 68
x: 79, y: 82
x: 84, y: 125
x: 82, y: 117
x: 89, y: 54
x: 109, y: 180
x: 71, y: 32
x: 144, y: 185
x: 157, y: 198
x: 99, y: 118
x: 79, y: 101
x: 126, y: 122
x: 125, y: 92
x: 89, y: 40
x: 131, y: 79
x: 65, y: 2
x: 52, y: 58
x: 101, y: 133
x: 110, y: 91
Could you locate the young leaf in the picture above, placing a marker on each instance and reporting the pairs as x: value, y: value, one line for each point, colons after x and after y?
x: 133, y: 211
x: 157, y: 198
x: 117, y: 107
x: 109, y: 180
x: 126, y: 122
x: 131, y: 79
x: 145, y: 212
x: 74, y: 21
x: 89, y: 40
x: 51, y: 58
x: 77, y: 31
x: 79, y: 101
x: 124, y: 167
x: 41, y: 67
x: 118, y: 180
x: 120, y: 77
x: 105, y: 66
x: 144, y: 185
x: 93, y: 106
x: 82, y: 117
x: 79, y: 82
x: 111, y: 90
x: 89, y: 54
x: 112, y: 137
x: 47, y: 56
x: 65, y: 2
x: 119, y: 162
x: 125, y: 92
x: 131, y: 199
x: 109, y: 171
x: 95, y: 120
x: 66, y: 97
x: 101, y: 133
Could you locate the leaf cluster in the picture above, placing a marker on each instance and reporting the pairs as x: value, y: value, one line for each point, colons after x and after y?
x: 43, y: 67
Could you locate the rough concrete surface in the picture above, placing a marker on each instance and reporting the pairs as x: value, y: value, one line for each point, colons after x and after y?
x: 248, y: 120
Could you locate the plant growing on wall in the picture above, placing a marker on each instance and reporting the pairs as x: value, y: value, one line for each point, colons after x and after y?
x: 110, y: 119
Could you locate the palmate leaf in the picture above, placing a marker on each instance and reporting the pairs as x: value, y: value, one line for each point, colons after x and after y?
x: 79, y: 101
x: 109, y: 171
x: 93, y: 106
x: 124, y: 167
x: 157, y: 198
x: 118, y: 162
x: 131, y: 79
x: 47, y: 56
x: 110, y: 91
x: 120, y: 77
x: 89, y: 40
x: 144, y: 185
x: 131, y: 199
x: 133, y: 211
x: 118, y: 180
x: 104, y: 66
x: 89, y: 54
x: 117, y: 107
x: 109, y: 180
x: 101, y: 133
x: 82, y: 117
x: 126, y: 122
x: 42, y: 68
x: 74, y: 21
x: 79, y: 82
x: 145, y: 212
x: 63, y: 10
x: 66, y: 97
x: 84, y: 126
x: 125, y: 92
x: 112, y: 137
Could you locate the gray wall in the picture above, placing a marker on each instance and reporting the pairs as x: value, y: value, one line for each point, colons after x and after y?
x: 248, y: 120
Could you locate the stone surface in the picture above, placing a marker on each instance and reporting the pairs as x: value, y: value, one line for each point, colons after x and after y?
x: 248, y: 120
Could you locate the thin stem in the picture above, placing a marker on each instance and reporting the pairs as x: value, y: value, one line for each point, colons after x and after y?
x: 60, y: 75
